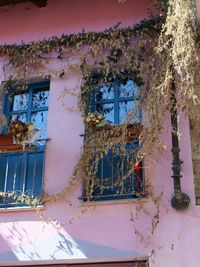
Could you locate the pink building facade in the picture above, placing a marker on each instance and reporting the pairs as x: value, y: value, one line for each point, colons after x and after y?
x: 70, y: 230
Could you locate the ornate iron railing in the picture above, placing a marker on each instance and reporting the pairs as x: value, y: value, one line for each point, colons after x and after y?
x: 21, y: 173
x: 117, y: 176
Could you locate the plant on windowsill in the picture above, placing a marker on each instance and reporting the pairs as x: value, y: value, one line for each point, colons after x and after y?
x: 18, y: 130
x: 19, y: 135
x: 23, y: 133
x: 132, y: 131
x: 96, y: 121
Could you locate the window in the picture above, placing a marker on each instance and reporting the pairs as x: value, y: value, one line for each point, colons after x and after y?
x: 114, y: 100
x: 22, y: 171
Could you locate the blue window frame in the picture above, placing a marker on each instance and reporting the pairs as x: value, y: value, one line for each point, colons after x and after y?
x: 22, y: 171
x: 114, y: 100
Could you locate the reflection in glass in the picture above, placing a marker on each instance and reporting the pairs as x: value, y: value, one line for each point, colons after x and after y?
x: 107, y: 110
x: 129, y: 89
x: 105, y: 92
x: 125, y: 107
x: 39, y: 119
x: 19, y: 102
x: 40, y: 99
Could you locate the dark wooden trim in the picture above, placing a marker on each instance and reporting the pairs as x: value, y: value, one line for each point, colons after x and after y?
x: 39, y: 3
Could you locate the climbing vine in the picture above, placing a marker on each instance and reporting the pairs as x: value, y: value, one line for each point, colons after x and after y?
x: 154, y: 53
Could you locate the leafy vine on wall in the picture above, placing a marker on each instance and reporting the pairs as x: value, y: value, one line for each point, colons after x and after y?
x: 143, y: 53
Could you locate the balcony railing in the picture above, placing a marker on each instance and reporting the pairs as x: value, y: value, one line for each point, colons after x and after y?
x: 21, y: 172
x: 118, y: 176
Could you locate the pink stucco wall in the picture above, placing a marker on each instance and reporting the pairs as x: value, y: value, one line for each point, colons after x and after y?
x: 64, y: 230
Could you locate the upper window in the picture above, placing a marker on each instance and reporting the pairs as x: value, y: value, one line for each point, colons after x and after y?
x: 115, y: 100
x: 21, y: 171
x: 30, y: 106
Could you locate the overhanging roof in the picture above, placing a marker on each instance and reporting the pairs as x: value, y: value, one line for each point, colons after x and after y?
x: 39, y: 3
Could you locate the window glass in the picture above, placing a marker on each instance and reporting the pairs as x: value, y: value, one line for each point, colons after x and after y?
x: 22, y: 117
x: 19, y: 102
x: 115, y: 101
x: 105, y: 92
x: 128, y: 89
x: 39, y: 119
x: 125, y: 107
x: 40, y: 99
x: 107, y: 110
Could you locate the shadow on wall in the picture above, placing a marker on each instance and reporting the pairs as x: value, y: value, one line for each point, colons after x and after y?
x: 49, y: 241
x: 93, y: 250
x: 6, y: 252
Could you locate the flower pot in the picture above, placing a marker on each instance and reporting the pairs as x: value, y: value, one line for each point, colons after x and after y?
x: 6, y: 144
x: 114, y: 131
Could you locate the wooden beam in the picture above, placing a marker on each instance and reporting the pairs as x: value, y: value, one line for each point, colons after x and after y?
x: 39, y: 3
x: 11, y: 2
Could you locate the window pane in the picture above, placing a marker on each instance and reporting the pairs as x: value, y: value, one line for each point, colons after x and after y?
x: 124, y: 109
x: 105, y: 92
x: 129, y: 89
x: 40, y: 99
x: 21, y: 117
x: 19, y: 102
x: 107, y: 110
x: 39, y: 119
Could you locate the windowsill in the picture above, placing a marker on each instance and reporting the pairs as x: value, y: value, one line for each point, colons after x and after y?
x: 17, y: 209
x: 79, y: 262
x: 117, y: 201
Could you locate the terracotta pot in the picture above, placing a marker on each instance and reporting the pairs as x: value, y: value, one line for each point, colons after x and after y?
x: 133, y: 131
x: 6, y: 143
